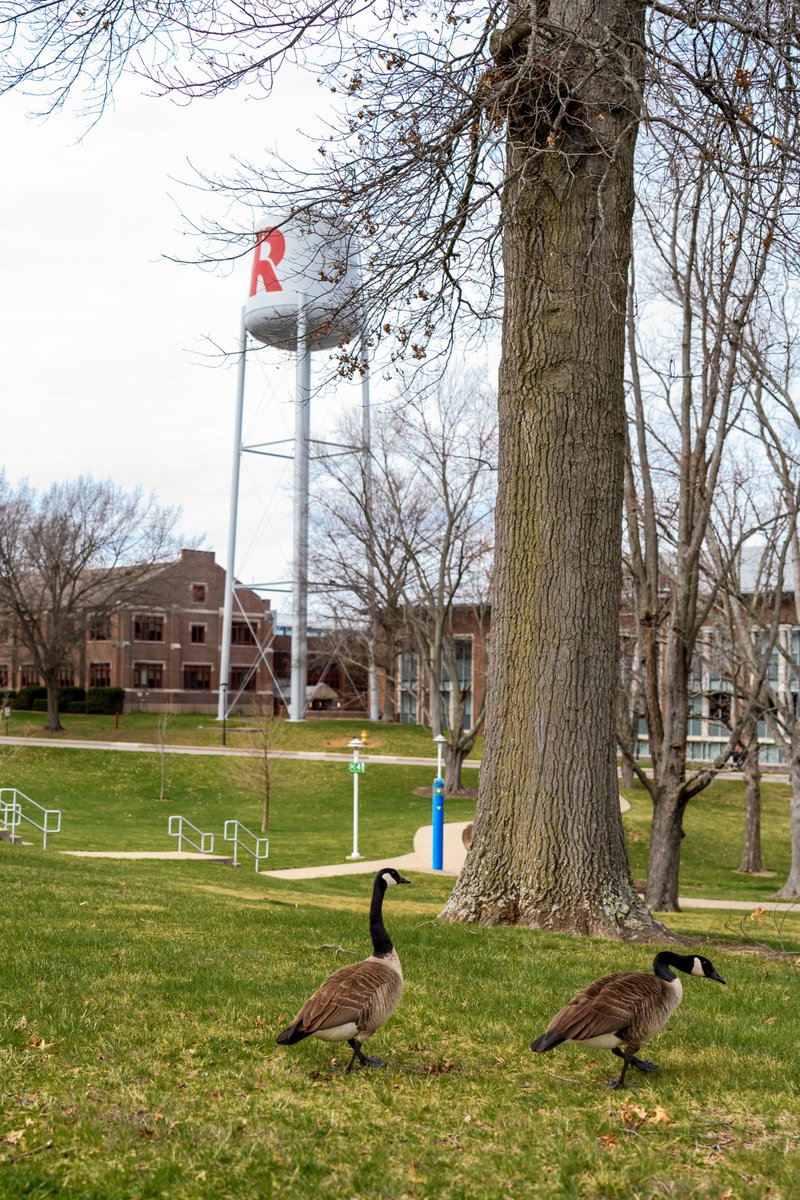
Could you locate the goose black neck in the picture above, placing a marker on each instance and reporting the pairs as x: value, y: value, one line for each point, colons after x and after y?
x: 666, y: 959
x: 381, y: 942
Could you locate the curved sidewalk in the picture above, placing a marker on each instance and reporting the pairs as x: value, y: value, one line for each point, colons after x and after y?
x: 454, y: 854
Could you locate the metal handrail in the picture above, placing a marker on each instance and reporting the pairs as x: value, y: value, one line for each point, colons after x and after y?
x: 259, y: 852
x: 175, y: 828
x: 10, y: 815
x: 46, y: 814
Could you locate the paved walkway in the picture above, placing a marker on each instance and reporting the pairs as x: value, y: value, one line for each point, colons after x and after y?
x: 226, y: 751
x: 418, y: 860
x: 186, y: 854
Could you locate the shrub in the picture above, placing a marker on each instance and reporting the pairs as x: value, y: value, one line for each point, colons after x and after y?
x: 39, y: 704
x: 75, y: 706
x: 26, y: 696
x: 106, y: 700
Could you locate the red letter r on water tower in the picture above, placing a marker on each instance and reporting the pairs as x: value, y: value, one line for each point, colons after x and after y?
x: 264, y: 267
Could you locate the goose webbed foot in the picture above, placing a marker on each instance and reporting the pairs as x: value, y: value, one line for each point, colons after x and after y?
x: 630, y: 1060
x: 618, y: 1083
x: 366, y: 1060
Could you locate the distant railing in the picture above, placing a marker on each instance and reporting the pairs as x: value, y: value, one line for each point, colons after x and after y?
x: 177, y: 828
x: 260, y: 848
x: 12, y: 813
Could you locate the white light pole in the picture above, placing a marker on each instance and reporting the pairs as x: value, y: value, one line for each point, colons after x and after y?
x: 440, y: 740
x: 355, y: 768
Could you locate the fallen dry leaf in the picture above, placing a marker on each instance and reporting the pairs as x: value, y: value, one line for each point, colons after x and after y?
x: 757, y: 914
x: 661, y: 1114
x: 632, y: 1115
x: 13, y: 1137
x: 608, y: 1139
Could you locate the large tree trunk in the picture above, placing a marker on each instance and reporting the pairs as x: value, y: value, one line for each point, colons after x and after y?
x: 53, y: 720
x: 548, y: 846
x: 752, y: 862
x: 791, y: 889
x: 453, y: 762
x: 664, y: 862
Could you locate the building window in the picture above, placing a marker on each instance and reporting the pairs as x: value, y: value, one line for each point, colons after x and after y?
x: 409, y: 685
x: 463, y: 653
x: 29, y: 676
x: 243, y: 679
x: 242, y: 634
x: 66, y: 677
x: 100, y: 630
x: 199, y: 593
x: 197, y: 634
x: 196, y: 678
x: 3, y: 675
x: 99, y: 674
x: 719, y: 713
x: 148, y: 629
x: 148, y: 675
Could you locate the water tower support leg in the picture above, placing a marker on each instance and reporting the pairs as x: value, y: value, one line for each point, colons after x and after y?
x: 302, y: 431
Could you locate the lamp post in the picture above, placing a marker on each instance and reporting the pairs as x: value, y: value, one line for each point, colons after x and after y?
x: 440, y: 740
x: 355, y: 768
x: 223, y: 696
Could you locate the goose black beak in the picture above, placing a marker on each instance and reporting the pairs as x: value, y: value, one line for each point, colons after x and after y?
x: 401, y: 879
x: 718, y: 978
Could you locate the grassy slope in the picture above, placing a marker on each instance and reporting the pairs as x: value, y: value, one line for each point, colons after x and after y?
x: 711, y: 848
x: 109, y: 800
x: 192, y: 729
x: 141, y: 1002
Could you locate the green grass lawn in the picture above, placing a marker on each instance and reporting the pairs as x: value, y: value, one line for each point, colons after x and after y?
x: 109, y: 801
x: 140, y: 1004
x: 712, y: 846
x: 141, y: 1000
x: 195, y: 729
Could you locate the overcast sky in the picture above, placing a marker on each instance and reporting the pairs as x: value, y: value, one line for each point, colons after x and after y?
x: 108, y: 356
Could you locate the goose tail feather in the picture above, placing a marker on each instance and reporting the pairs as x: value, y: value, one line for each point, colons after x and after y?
x: 548, y: 1041
x: 291, y: 1035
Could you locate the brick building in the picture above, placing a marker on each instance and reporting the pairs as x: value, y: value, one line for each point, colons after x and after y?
x: 469, y: 626
x: 165, y: 652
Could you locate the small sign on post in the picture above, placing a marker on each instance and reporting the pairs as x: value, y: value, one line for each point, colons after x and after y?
x: 355, y: 768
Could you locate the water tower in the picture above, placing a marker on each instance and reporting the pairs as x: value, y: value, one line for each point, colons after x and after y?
x: 303, y: 297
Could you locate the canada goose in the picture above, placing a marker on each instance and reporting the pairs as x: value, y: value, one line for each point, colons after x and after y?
x: 625, y: 1010
x: 356, y: 1000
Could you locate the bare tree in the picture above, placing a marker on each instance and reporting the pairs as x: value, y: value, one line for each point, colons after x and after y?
x: 254, y: 771
x: 427, y: 525
x: 713, y: 242
x: 358, y: 561
x: 463, y: 133
x: 779, y: 422
x: 70, y: 556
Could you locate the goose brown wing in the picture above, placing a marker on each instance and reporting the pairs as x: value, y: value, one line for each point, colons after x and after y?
x: 605, y: 1006
x: 350, y: 994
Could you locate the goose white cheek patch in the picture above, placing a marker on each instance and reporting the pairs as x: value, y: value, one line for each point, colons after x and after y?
x: 388, y: 879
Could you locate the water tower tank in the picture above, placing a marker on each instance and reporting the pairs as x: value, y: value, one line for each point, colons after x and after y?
x: 301, y: 257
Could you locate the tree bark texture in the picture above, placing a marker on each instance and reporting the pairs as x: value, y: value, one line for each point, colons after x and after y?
x: 752, y: 862
x: 791, y: 889
x: 666, y: 831
x: 548, y: 848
